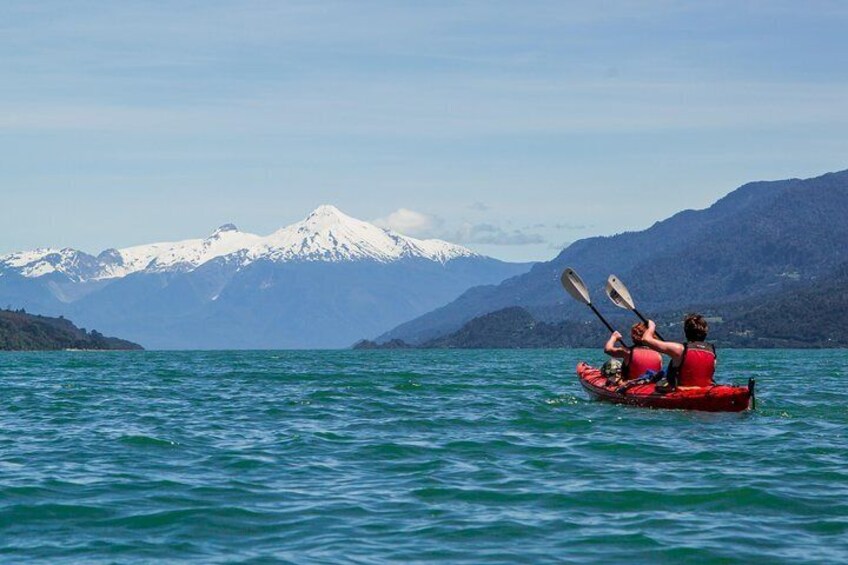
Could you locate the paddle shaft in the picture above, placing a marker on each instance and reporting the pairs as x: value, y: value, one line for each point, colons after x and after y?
x: 574, y: 285
x: 641, y: 317
x: 607, y: 324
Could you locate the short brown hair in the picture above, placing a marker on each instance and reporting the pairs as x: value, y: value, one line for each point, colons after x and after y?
x: 637, y: 331
x: 695, y: 327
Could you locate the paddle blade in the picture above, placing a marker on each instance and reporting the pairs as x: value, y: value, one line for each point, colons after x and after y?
x: 619, y: 294
x: 574, y: 285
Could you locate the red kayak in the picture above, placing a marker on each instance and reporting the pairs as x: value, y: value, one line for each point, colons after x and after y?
x: 716, y: 398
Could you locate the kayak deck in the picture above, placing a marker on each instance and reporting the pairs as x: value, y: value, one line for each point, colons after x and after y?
x: 716, y: 398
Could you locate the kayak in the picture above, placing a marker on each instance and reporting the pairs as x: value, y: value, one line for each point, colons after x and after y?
x: 716, y: 398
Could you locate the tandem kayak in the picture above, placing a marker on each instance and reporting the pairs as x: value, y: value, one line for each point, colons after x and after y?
x: 716, y: 398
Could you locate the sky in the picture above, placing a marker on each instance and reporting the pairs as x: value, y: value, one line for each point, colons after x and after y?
x: 511, y: 127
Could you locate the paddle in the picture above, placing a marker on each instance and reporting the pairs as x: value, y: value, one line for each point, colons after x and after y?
x: 620, y: 296
x: 574, y: 285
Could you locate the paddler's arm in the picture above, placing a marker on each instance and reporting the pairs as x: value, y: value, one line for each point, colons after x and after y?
x: 614, y: 350
x: 670, y: 348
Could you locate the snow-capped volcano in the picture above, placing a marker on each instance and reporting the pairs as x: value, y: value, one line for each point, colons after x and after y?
x: 327, y: 234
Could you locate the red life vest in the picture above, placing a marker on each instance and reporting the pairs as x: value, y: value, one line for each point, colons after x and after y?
x: 639, y: 361
x: 697, y: 367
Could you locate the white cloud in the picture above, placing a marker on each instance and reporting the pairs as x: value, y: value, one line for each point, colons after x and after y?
x: 411, y: 223
x: 418, y: 224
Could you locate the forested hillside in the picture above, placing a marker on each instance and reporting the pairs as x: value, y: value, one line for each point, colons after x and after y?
x: 20, y: 331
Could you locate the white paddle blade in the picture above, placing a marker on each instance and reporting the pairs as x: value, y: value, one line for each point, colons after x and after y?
x: 574, y: 285
x: 619, y: 294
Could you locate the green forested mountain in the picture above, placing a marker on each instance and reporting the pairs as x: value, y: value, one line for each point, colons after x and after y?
x: 516, y: 328
x: 811, y: 315
x: 20, y: 331
x: 807, y: 315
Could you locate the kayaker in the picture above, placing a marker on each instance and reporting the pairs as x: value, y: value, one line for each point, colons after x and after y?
x: 636, y: 360
x: 692, y: 363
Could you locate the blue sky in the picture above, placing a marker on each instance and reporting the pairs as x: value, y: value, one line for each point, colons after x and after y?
x: 512, y: 127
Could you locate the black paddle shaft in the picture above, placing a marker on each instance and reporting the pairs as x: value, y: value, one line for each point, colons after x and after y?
x: 641, y: 317
x: 607, y: 324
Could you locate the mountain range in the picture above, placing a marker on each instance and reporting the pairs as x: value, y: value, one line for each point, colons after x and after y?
x: 319, y: 283
x: 744, y: 255
x: 759, y: 261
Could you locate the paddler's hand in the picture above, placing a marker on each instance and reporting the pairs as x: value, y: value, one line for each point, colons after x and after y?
x: 611, y: 347
x: 649, y: 332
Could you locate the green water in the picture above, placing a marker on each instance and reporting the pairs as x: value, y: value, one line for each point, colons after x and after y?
x: 411, y: 456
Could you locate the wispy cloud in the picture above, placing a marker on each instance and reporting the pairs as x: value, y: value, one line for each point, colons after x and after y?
x: 392, y: 110
x: 489, y: 234
x: 573, y: 226
x: 479, y: 206
x: 562, y: 226
x: 418, y: 224
x: 326, y: 69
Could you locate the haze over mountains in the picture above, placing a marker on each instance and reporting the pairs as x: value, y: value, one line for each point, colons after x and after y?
x: 330, y: 280
x: 763, y: 240
x: 321, y: 282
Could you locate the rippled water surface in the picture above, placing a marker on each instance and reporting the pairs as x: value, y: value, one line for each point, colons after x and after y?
x: 369, y: 457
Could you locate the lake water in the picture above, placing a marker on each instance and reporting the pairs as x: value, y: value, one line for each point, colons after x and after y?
x: 412, y: 456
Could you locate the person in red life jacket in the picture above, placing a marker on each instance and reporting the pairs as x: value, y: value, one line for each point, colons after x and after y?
x: 636, y: 360
x: 692, y: 363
